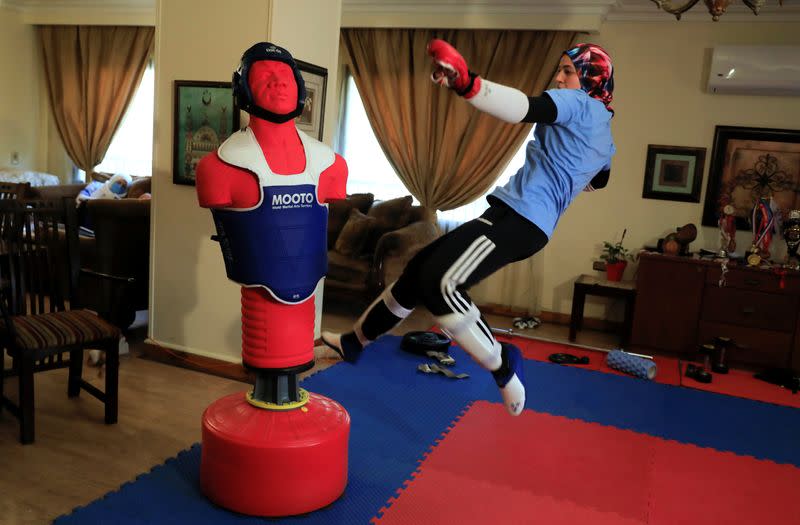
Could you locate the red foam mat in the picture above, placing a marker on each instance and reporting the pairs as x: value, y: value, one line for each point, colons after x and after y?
x: 738, y: 383
x: 668, y: 371
x: 540, y: 468
x: 741, y: 383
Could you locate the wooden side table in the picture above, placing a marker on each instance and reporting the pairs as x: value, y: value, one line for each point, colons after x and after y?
x: 591, y: 285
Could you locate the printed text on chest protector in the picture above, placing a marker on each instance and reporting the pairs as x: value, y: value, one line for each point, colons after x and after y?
x: 292, y: 200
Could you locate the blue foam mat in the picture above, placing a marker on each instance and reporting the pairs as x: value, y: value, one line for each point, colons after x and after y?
x: 397, y: 414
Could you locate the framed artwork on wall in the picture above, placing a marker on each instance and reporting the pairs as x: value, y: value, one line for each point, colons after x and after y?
x: 748, y: 164
x: 205, y: 115
x: 312, y: 118
x: 673, y: 173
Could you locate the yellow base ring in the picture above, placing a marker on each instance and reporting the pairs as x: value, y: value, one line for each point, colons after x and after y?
x: 273, y: 406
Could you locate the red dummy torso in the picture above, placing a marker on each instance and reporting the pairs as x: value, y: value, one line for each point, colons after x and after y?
x: 274, y: 334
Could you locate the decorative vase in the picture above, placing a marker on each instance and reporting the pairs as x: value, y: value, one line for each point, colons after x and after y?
x: 615, y: 270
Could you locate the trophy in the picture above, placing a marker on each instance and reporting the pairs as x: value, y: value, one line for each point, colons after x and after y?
x: 791, y: 234
x: 727, y: 231
x: 763, y: 225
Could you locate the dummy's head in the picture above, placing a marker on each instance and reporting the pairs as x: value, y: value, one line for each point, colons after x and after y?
x: 587, y: 67
x: 268, y: 85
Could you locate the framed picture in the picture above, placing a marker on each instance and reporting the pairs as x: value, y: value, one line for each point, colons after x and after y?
x: 205, y: 115
x: 316, y: 80
x: 750, y: 163
x: 673, y: 173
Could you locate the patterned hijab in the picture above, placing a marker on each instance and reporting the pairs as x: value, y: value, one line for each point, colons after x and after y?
x: 596, y: 72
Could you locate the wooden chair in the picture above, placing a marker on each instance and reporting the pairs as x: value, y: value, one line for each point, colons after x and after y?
x: 14, y: 190
x: 41, y: 319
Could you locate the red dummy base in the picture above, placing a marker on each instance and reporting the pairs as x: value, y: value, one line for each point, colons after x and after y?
x: 272, y: 463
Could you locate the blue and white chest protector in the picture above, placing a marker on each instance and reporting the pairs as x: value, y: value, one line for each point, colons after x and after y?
x: 280, y: 243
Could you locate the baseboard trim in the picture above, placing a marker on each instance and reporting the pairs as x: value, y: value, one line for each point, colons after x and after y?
x: 217, y: 367
x: 209, y: 365
x: 590, y: 323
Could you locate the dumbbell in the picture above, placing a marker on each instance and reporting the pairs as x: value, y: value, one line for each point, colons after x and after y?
x: 701, y: 374
x: 721, y: 345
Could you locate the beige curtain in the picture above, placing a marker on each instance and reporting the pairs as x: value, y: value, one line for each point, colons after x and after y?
x: 92, y: 73
x: 446, y: 153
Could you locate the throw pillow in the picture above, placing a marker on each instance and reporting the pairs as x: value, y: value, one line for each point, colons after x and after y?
x: 354, y: 234
x: 139, y: 187
x: 339, y: 212
x: 391, y: 214
x: 362, y: 201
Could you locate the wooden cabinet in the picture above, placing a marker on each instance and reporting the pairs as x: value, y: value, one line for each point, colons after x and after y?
x: 795, y: 359
x: 682, y: 303
x: 668, y: 299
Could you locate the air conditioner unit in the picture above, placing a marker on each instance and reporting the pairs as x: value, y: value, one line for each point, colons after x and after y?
x: 755, y: 70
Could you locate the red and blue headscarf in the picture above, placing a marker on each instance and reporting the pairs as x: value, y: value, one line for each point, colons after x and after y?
x: 595, y: 70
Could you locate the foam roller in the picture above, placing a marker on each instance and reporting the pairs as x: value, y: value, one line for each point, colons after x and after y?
x: 631, y: 364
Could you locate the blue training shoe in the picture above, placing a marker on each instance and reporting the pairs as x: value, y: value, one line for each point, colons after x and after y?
x: 510, y: 377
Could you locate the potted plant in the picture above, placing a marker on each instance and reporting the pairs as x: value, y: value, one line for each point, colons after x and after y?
x: 616, y: 257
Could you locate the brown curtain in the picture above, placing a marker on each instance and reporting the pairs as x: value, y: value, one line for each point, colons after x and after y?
x: 92, y: 73
x: 446, y: 152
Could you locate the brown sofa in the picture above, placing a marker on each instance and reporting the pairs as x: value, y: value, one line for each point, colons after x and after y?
x: 370, y: 242
x: 115, y: 241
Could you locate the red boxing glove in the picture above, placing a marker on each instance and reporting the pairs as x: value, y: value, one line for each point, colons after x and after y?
x: 450, y: 69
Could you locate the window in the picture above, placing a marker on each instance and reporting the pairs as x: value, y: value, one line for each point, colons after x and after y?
x: 131, y: 148
x: 370, y: 171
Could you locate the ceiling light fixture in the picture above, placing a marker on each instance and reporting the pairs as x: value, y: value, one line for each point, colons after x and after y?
x: 715, y: 7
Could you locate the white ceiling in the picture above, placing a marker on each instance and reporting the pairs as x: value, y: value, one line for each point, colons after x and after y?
x: 644, y: 10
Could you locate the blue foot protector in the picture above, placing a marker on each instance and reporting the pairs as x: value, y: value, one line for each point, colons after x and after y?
x: 346, y: 345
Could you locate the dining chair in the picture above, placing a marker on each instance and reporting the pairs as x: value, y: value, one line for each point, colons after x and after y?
x: 43, y: 326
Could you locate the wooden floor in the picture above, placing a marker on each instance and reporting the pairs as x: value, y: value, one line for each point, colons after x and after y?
x: 77, y: 458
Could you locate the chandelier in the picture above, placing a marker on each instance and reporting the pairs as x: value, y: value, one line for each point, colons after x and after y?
x: 715, y: 7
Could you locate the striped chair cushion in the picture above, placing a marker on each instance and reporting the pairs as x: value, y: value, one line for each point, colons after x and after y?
x: 57, y: 329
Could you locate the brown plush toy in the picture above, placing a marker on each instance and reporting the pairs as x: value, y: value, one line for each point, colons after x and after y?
x: 678, y: 243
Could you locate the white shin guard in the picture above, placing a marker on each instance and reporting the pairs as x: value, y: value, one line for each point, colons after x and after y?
x: 474, y: 336
x: 395, y: 309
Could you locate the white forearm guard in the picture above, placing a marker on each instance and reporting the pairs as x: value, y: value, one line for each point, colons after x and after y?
x: 506, y: 103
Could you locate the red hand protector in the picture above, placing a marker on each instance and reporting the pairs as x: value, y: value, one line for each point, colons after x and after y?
x: 450, y: 69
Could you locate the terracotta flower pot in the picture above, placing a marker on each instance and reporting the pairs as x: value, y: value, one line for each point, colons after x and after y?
x: 615, y: 270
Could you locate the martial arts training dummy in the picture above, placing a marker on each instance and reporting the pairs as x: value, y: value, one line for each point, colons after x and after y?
x: 571, y: 153
x: 277, y: 450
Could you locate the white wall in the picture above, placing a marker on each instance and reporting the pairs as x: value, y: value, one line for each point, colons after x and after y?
x: 26, y: 123
x: 660, y: 68
x: 660, y: 98
x: 20, y: 106
x: 193, y: 305
x: 287, y: 17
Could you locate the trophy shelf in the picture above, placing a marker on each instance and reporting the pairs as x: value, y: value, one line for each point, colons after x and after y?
x: 680, y: 305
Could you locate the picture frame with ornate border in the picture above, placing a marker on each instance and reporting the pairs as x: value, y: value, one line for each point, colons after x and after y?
x: 674, y: 173
x: 205, y: 115
x: 750, y: 163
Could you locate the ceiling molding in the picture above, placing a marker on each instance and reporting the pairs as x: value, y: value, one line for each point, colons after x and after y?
x: 481, y: 6
x: 507, y: 14
x: 587, y: 15
x: 85, y: 12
